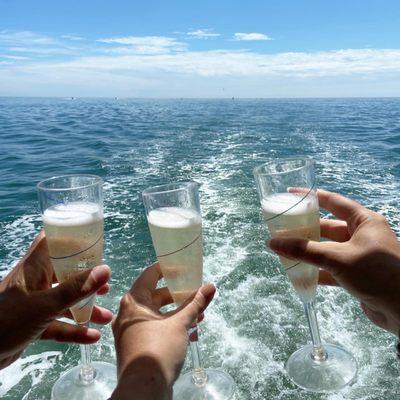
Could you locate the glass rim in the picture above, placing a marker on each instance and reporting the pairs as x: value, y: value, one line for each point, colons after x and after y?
x: 308, y: 161
x: 159, y: 189
x: 97, y: 180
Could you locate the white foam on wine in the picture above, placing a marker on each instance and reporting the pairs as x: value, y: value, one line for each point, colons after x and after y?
x: 72, y: 214
x: 174, y: 217
x: 289, y: 203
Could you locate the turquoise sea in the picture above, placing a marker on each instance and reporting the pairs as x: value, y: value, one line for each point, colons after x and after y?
x: 256, y: 321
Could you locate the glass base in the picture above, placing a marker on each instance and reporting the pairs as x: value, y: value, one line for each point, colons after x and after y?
x: 219, y: 386
x: 70, y: 387
x: 330, y: 375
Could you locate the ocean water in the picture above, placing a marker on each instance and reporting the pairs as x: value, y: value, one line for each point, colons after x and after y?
x: 256, y: 321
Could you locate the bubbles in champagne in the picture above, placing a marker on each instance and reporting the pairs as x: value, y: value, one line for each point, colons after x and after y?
x: 177, y: 239
x: 74, y: 233
x: 295, y: 215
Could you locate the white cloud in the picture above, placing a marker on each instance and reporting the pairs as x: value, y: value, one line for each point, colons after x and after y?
x: 23, y: 38
x: 162, y: 66
x: 75, y: 38
x: 251, y: 36
x: 34, y: 43
x: 242, y: 63
x: 144, y: 44
x: 202, y: 34
x: 44, y: 50
x: 11, y: 57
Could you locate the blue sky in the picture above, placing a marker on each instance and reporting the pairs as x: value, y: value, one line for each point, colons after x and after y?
x: 296, y: 48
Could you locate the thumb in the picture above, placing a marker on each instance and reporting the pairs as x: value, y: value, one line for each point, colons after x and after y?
x: 322, y: 254
x: 78, y: 287
x: 193, y: 308
x: 378, y: 318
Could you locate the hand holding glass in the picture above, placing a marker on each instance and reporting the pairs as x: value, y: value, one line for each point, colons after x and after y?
x: 173, y: 214
x: 290, y: 207
x: 72, y: 212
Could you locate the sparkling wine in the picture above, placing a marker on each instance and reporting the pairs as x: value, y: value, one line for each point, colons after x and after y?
x: 177, y: 239
x: 293, y: 215
x: 74, y: 234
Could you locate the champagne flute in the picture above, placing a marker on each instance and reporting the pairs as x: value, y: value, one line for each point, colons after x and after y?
x: 173, y: 214
x: 72, y: 213
x: 290, y: 207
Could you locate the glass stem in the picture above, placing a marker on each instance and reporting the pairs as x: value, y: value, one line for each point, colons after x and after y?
x: 199, y: 375
x: 87, y: 372
x: 318, y: 353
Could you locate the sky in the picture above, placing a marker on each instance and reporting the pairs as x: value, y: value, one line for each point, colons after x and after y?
x: 219, y: 48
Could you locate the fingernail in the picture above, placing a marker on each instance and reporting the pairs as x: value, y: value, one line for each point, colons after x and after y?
x: 93, y: 334
x: 208, y: 287
x: 101, y: 273
x: 107, y: 314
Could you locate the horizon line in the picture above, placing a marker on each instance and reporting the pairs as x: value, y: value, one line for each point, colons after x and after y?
x: 198, y: 98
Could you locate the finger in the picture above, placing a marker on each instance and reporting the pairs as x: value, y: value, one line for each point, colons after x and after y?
x: 103, y: 290
x: 147, y: 280
x: 99, y: 315
x: 325, y: 278
x: 190, y: 311
x: 200, y: 318
x: 37, y: 264
x: 41, y: 236
x: 162, y: 297
x: 342, y: 207
x: 323, y: 254
x: 173, y: 312
x: 78, y: 287
x: 63, y: 332
x: 334, y: 229
x: 376, y: 317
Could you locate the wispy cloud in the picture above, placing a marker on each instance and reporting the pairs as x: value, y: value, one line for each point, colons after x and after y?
x: 152, y: 65
x: 202, y: 34
x: 240, y: 36
x: 44, y: 50
x: 144, y: 44
x: 32, y: 43
x: 242, y: 63
x: 24, y: 38
x: 12, y: 57
x: 75, y: 38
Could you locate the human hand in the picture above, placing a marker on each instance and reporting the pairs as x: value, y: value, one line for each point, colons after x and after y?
x: 363, y: 257
x: 29, y: 305
x: 151, y: 346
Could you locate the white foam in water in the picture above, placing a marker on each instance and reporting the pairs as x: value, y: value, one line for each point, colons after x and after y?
x: 173, y: 217
x: 256, y: 321
x: 72, y: 214
x: 33, y: 366
x: 15, y: 238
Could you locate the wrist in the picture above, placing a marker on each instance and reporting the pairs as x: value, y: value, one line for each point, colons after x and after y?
x: 143, y: 375
x: 144, y: 348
